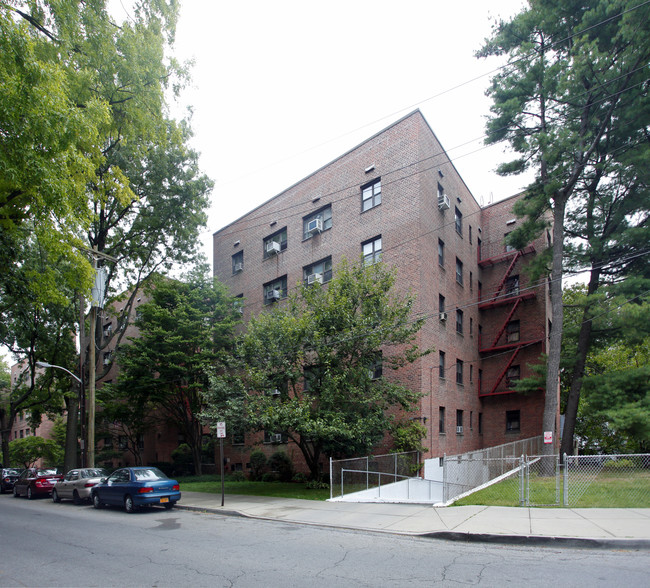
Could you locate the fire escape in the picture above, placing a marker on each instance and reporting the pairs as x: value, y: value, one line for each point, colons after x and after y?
x: 506, y: 299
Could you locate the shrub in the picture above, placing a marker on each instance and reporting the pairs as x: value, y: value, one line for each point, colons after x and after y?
x: 258, y: 464
x: 280, y: 463
x: 317, y: 485
x: 299, y: 477
x: 236, y: 477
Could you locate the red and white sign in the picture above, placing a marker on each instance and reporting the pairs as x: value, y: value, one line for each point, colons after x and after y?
x: 221, y: 430
x: 548, y: 437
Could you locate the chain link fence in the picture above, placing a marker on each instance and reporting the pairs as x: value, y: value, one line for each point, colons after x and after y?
x: 363, y: 473
x: 607, y: 480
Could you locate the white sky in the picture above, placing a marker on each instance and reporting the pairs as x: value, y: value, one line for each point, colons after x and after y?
x: 282, y: 88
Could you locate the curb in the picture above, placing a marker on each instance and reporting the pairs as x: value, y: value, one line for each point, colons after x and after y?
x: 532, y: 540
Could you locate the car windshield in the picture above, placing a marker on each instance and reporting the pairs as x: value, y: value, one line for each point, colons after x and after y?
x: 149, y: 474
x: 46, y: 472
x: 96, y: 473
x: 11, y: 472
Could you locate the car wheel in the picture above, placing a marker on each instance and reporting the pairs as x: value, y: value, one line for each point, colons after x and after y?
x: 55, y: 496
x: 97, y: 503
x: 169, y: 505
x: 30, y: 496
x: 76, y: 498
x: 129, y: 505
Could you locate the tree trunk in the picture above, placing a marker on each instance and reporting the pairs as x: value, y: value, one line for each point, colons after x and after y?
x: 584, y: 344
x: 5, y: 430
x: 549, y: 421
x: 70, y: 458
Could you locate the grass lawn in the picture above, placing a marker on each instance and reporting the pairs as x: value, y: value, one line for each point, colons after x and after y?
x: 606, y: 490
x: 212, y: 484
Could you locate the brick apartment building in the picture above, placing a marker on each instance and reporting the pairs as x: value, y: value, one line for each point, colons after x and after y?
x: 397, y: 197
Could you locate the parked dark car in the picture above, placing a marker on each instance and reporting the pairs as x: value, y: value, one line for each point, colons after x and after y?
x: 135, y: 487
x: 35, y: 482
x: 8, y: 478
x: 77, y: 484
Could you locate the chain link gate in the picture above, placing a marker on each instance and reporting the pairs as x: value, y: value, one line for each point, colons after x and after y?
x: 540, y: 480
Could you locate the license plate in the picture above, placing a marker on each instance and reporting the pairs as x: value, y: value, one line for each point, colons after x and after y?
x: 162, y: 500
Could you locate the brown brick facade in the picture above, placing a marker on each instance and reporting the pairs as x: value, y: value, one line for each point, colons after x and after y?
x: 412, y: 167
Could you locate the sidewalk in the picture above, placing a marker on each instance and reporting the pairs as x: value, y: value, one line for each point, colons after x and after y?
x: 582, y: 527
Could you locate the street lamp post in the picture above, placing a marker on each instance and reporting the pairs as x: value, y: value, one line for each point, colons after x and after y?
x: 44, y: 364
x: 70, y: 460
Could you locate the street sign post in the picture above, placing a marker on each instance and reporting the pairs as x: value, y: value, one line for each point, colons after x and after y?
x: 221, y: 434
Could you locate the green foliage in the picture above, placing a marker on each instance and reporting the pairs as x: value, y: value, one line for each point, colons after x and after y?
x: 408, y: 436
x: 185, y: 334
x: 331, y: 337
x: 28, y: 450
x: 281, y: 463
x: 258, y: 462
x: 317, y: 485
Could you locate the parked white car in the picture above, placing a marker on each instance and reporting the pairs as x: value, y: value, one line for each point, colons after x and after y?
x: 77, y: 484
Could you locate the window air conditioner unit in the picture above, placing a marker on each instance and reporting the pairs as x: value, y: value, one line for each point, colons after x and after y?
x: 459, y: 430
x: 275, y: 392
x: 315, y: 226
x: 313, y: 278
x: 239, y: 267
x: 276, y: 438
x: 273, y: 295
x: 443, y: 202
x: 273, y: 247
x: 443, y: 316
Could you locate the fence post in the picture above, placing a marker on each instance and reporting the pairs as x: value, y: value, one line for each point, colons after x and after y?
x: 331, y: 481
x: 367, y: 473
x: 521, y: 481
x: 445, y: 490
x: 566, y: 481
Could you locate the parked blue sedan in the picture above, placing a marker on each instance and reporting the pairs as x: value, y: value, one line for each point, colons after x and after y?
x: 136, y: 487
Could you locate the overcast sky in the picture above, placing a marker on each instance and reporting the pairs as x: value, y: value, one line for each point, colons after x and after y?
x: 281, y: 88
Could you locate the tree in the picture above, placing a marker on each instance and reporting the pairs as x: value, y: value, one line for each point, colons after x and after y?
x: 28, y: 450
x: 185, y: 331
x: 316, y: 369
x: 92, y: 160
x: 576, y: 77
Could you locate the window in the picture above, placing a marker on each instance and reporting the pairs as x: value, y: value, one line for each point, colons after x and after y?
x: 108, y: 357
x: 312, y: 376
x: 371, y: 251
x: 480, y: 380
x: 311, y: 225
x: 512, y: 286
x: 471, y: 373
x: 513, y: 374
x: 280, y: 240
x: 441, y: 191
x: 441, y: 420
x: 108, y: 329
x: 459, y: 422
x: 274, y: 437
x: 512, y: 332
x: 470, y: 234
x: 458, y: 219
x: 513, y: 421
x: 441, y: 303
x: 471, y: 280
x: 441, y: 364
x: 441, y: 252
x: 471, y: 420
x: 371, y: 195
x: 238, y: 262
x: 275, y: 290
x: 471, y: 326
x: 375, y: 370
x: 459, y: 321
x: 238, y: 437
x: 320, y: 272
x: 459, y: 271
x: 508, y: 247
x: 459, y: 371
x: 480, y: 423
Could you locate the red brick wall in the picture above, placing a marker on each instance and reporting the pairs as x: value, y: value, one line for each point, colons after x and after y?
x: 410, y: 162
